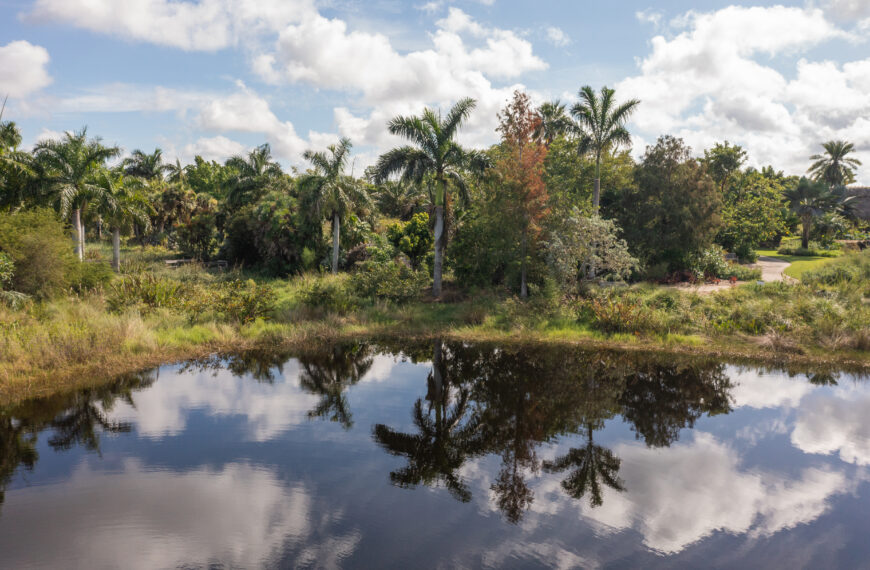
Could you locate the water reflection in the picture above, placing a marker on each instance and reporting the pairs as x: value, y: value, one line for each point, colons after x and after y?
x: 278, y: 460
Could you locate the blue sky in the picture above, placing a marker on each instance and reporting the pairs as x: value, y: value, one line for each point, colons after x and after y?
x: 215, y: 77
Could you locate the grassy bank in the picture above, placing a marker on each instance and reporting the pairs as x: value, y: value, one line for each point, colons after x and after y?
x: 152, y: 315
x: 799, y: 263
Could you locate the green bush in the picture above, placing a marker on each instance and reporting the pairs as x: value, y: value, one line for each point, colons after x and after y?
x: 393, y: 281
x: 709, y: 262
x: 614, y: 314
x: 145, y: 292
x: 40, y: 249
x: 328, y: 294
x: 808, y: 251
x: 7, y: 270
x: 832, y: 275
x: 245, y: 301
x: 90, y: 275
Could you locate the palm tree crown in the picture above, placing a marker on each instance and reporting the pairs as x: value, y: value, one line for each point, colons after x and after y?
x: 602, y: 124
x: 253, y: 174
x: 810, y: 199
x: 834, y: 167
x: 143, y: 165
x: 435, y: 156
x: 554, y: 122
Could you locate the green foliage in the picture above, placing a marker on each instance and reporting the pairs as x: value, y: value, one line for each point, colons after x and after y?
x: 392, y: 281
x: 90, y: 275
x: 244, y: 301
x: 41, y: 250
x: 7, y: 270
x: 330, y: 295
x: 753, y: 213
x: 814, y: 250
x: 145, y: 292
x: 674, y: 210
x: 199, y: 237
x: 709, y: 262
x: 412, y: 238
x: 723, y: 161
x: 612, y: 314
x: 832, y: 275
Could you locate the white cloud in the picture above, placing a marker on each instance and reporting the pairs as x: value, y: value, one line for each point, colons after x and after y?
x: 558, y: 37
x: 706, y: 474
x: 769, y: 390
x: 721, y: 78
x: 836, y: 422
x: 217, y: 148
x: 206, y: 25
x: 239, y: 514
x: 23, y: 69
x: 848, y: 10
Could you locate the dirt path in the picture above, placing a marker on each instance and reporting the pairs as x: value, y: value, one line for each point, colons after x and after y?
x: 772, y: 269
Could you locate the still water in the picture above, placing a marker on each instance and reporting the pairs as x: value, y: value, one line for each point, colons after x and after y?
x: 441, y: 455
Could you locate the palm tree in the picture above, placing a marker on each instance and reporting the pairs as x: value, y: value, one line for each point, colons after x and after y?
x: 811, y: 199
x: 145, y: 166
x: 329, y: 374
x: 602, y: 123
x: 436, y: 156
x: 592, y: 465
x: 554, y: 122
x: 70, y: 166
x: 334, y: 193
x: 254, y: 172
x: 834, y: 167
x: 122, y: 204
x: 399, y: 199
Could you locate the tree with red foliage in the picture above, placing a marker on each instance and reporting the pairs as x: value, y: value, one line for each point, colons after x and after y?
x: 521, y: 172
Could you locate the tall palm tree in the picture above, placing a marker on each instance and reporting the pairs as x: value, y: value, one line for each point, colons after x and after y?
x: 554, y: 122
x: 71, y: 164
x: 811, y: 199
x: 602, y: 123
x: 435, y: 155
x: 146, y: 166
x: 834, y: 167
x: 254, y: 172
x: 122, y: 204
x: 592, y: 465
x: 334, y: 193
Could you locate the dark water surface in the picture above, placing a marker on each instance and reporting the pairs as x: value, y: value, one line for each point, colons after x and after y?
x: 366, y: 456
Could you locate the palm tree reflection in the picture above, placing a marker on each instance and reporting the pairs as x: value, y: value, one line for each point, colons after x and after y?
x: 329, y: 374
x: 590, y: 466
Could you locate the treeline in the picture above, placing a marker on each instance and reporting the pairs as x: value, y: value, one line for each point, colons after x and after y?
x: 557, y: 200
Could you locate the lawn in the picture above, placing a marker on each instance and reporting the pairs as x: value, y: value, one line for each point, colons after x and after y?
x: 799, y: 263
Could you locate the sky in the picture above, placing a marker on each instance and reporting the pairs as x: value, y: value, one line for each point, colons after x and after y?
x: 217, y: 77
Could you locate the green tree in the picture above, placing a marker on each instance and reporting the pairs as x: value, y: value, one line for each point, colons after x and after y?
x: 723, y: 162
x: 554, y: 123
x: 437, y: 157
x: 71, y: 165
x: 122, y: 204
x: 673, y: 209
x: 334, y: 193
x: 412, y: 238
x: 145, y: 166
x: 810, y: 199
x: 753, y: 213
x: 252, y: 176
x: 602, y: 124
x: 835, y: 167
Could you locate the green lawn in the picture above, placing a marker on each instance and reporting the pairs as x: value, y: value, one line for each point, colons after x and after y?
x: 799, y: 263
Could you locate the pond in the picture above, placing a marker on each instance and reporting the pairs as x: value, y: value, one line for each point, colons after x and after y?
x: 441, y: 455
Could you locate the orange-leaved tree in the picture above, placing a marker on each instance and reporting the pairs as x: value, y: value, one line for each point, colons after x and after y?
x: 521, y: 173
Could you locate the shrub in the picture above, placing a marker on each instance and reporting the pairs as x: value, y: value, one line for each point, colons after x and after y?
x: 329, y: 294
x: 145, y: 292
x: 709, y: 262
x: 245, y: 301
x: 613, y: 314
x: 90, y: 275
x: 832, y: 275
x: 7, y: 267
x: 808, y: 251
x: 392, y: 280
x: 412, y: 238
x: 40, y: 249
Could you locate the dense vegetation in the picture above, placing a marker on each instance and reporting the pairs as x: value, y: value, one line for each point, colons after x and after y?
x: 530, y: 234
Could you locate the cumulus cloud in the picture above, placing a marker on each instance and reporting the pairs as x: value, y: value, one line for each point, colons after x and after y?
x: 23, y: 69
x: 218, y: 148
x: 204, y: 25
x: 721, y: 77
x: 239, y: 514
x: 836, y: 422
x: 767, y: 390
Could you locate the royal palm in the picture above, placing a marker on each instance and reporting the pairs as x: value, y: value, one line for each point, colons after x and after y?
x: 835, y: 167
x: 434, y: 155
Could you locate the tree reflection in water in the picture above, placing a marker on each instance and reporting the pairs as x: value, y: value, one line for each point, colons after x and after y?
x: 329, y: 374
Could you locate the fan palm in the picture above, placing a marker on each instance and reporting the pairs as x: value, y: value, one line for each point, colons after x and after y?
x: 434, y: 155
x: 334, y: 193
x: 811, y: 199
x: 71, y: 164
x: 122, y: 204
x: 834, y: 167
x: 602, y: 124
x: 254, y: 172
x: 146, y: 166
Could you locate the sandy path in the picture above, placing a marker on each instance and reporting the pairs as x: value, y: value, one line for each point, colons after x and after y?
x: 772, y: 269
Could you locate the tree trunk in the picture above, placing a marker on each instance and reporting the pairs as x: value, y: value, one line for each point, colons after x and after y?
x: 524, y: 289
x: 100, y: 228
x: 116, y: 250
x: 596, y: 196
x: 439, y: 251
x: 82, y: 239
x: 77, y: 230
x: 336, y: 225
x: 805, y: 235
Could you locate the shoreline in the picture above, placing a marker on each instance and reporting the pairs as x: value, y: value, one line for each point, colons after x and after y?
x: 104, y: 368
